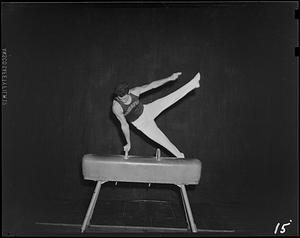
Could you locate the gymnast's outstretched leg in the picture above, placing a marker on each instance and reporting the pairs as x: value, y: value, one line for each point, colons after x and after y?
x: 161, y: 104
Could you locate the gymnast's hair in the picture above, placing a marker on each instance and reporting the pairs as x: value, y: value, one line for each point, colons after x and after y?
x: 122, y: 89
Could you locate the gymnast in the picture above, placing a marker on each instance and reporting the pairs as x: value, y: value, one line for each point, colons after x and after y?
x: 127, y: 108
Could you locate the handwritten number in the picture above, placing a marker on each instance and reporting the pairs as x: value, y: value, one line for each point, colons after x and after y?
x: 276, y: 228
x: 282, y: 230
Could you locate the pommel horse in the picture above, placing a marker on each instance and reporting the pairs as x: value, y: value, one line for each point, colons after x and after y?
x: 139, y: 169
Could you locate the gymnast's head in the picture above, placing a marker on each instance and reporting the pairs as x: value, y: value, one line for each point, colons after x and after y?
x: 121, y: 90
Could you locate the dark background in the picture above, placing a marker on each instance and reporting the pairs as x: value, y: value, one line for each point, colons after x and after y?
x: 65, y: 59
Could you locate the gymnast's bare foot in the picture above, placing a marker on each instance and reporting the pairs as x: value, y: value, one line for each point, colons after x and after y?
x: 197, y: 80
x: 181, y: 156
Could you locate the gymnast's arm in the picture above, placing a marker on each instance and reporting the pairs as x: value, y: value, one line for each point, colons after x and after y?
x: 155, y: 84
x: 118, y: 111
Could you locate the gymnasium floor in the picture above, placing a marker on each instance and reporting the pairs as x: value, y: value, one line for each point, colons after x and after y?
x: 122, y: 217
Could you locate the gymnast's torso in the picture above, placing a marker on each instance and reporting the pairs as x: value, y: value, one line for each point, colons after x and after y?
x: 133, y: 110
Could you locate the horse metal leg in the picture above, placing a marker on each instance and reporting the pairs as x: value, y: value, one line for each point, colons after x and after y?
x: 187, y: 208
x: 90, y: 210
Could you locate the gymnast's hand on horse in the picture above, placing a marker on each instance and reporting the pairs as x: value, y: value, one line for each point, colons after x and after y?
x: 127, y: 147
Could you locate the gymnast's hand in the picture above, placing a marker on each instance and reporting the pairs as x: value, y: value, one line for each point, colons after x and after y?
x: 175, y: 76
x: 127, y: 147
